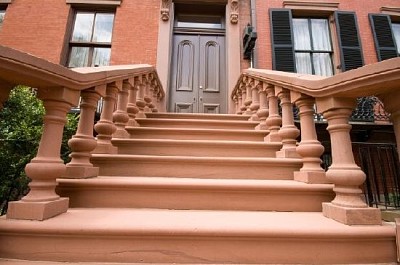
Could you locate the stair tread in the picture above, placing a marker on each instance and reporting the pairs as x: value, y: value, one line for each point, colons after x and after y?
x: 197, y: 183
x: 196, y: 115
x: 177, y: 223
x: 205, y: 142
x: 199, y: 130
x: 199, y: 121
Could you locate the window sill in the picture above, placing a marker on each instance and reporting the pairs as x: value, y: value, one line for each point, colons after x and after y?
x: 5, y: 1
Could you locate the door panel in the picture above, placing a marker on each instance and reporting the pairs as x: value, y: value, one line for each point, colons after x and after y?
x: 198, y: 74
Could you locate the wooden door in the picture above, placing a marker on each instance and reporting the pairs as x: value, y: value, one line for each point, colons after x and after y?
x: 198, y: 74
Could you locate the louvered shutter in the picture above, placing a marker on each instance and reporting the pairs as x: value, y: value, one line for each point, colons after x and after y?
x: 282, y: 40
x: 383, y: 36
x: 349, y: 40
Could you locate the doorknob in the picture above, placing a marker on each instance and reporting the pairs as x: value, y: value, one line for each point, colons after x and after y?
x: 201, y: 87
x: 201, y: 99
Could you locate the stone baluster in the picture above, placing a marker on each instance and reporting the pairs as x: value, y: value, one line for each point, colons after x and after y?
x: 120, y: 116
x: 236, y: 102
x: 240, y: 102
x: 274, y: 120
x: 42, y: 202
x: 263, y: 111
x: 255, y: 103
x: 152, y: 88
x: 83, y: 142
x: 288, y: 132
x: 105, y: 126
x: 243, y: 107
x: 140, y: 102
x: 155, y: 98
x: 348, y: 206
x: 310, y: 149
x: 147, y: 93
x: 132, y: 109
x: 248, y: 100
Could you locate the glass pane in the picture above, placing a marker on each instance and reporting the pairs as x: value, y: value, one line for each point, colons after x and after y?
x: 322, y: 64
x: 320, y: 35
x: 83, y: 27
x: 101, y: 56
x: 103, y: 27
x: 301, y: 34
x: 396, y: 33
x: 195, y: 21
x: 78, y: 57
x: 303, y: 63
x: 2, y: 13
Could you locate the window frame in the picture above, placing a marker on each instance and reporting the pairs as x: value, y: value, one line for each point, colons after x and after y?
x: 312, y: 51
x: 88, y: 44
x: 397, y: 45
x: 3, y: 9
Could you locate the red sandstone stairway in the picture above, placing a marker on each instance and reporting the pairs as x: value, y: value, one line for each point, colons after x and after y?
x: 198, y: 189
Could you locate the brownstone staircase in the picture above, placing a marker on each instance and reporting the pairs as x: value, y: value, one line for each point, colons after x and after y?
x: 196, y: 189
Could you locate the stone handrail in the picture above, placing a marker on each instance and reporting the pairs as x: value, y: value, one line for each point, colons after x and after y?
x: 258, y: 92
x: 128, y: 91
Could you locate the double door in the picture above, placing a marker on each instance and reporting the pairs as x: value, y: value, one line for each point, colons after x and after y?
x: 198, y: 82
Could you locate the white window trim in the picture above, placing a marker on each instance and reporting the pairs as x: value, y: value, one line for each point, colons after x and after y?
x: 94, y: 2
x: 311, y: 5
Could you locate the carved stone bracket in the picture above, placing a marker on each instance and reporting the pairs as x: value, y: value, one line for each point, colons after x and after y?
x: 234, y: 11
x: 165, y: 7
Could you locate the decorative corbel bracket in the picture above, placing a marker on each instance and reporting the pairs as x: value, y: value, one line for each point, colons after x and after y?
x: 165, y: 7
x: 234, y: 16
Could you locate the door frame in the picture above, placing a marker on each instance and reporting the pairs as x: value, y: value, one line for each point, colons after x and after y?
x: 232, y: 51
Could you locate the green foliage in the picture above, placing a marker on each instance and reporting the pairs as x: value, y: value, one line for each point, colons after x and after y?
x: 21, y: 127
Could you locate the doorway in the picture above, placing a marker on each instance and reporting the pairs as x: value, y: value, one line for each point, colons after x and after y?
x: 198, y: 67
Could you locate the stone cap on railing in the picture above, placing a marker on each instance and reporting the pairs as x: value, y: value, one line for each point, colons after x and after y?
x: 18, y: 68
x: 373, y: 79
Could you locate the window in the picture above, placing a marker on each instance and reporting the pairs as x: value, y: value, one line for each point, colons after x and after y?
x: 2, y: 14
x: 312, y: 46
x: 386, y: 36
x: 90, y: 42
x: 304, y: 45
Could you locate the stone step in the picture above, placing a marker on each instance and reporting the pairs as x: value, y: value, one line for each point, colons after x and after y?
x: 199, y: 116
x: 196, y: 194
x: 197, y: 237
x: 196, y: 167
x: 196, y: 134
x: 197, y: 123
x: 168, y: 147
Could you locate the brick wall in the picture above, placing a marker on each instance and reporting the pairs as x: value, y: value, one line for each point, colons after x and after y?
x: 361, y: 7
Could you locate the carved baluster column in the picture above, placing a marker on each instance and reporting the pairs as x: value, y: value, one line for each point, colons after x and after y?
x: 240, y: 102
x: 288, y: 131
x: 152, y: 89
x: 263, y: 112
x: 310, y: 149
x: 105, y: 126
x: 147, y: 93
x: 243, y: 107
x: 120, y: 116
x: 248, y: 100
x: 348, y: 206
x: 274, y: 120
x: 42, y: 202
x: 132, y: 109
x: 140, y: 102
x: 83, y: 142
x: 255, y: 104
x: 155, y: 98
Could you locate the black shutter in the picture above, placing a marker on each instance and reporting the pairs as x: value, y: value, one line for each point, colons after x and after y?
x: 282, y: 40
x: 383, y: 36
x: 349, y: 40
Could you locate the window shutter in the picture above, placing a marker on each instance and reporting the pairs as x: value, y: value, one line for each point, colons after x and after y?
x: 349, y: 40
x: 383, y: 36
x: 282, y: 40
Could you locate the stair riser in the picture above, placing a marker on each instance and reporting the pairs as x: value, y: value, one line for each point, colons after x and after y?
x: 228, y: 117
x: 204, y: 150
x: 190, y: 249
x: 197, y: 135
x: 201, y: 199
x: 197, y: 124
x: 195, y: 169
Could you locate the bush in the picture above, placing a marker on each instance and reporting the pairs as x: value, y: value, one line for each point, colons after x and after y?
x: 21, y: 127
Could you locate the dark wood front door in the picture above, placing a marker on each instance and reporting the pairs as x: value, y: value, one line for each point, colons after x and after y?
x: 198, y: 82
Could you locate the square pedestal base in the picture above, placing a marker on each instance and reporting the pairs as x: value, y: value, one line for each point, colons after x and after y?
x: 36, y: 210
x: 274, y: 137
x: 121, y: 134
x: 105, y: 149
x: 352, y: 216
x: 77, y: 172
x: 288, y: 153
x: 254, y: 117
x: 311, y: 177
x: 261, y: 127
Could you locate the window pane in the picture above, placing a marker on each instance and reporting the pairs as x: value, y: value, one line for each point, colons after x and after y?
x: 301, y: 34
x: 103, y: 27
x: 320, y: 35
x: 303, y: 63
x: 78, y: 57
x: 396, y: 33
x: 322, y: 64
x: 101, y: 56
x: 2, y: 13
x: 83, y: 27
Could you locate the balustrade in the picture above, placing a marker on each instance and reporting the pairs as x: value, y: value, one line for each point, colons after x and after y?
x: 274, y: 120
x: 263, y: 111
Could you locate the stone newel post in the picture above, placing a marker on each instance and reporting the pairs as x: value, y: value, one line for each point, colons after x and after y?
x: 348, y: 206
x: 83, y: 142
x: 310, y: 149
x: 42, y: 202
